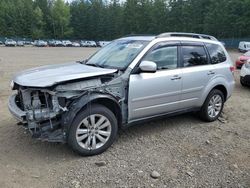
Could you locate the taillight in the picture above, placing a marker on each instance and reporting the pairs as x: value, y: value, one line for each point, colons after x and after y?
x: 232, y: 69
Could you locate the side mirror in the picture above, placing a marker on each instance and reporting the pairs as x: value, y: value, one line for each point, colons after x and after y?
x: 148, y: 66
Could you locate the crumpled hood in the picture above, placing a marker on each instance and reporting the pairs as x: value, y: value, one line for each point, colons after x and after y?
x: 50, y: 75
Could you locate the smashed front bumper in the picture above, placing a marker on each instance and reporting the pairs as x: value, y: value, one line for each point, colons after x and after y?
x: 40, y: 123
x: 17, y: 113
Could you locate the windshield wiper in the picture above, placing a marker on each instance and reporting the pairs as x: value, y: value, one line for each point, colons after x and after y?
x: 95, y: 65
x: 83, y: 61
x: 162, y: 68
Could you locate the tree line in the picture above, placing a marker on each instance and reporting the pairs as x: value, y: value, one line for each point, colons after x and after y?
x: 106, y: 20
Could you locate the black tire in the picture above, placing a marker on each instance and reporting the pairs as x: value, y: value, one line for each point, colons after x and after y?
x: 242, y: 82
x: 95, y: 109
x: 204, y: 110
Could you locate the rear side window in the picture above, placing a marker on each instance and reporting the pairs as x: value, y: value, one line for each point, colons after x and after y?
x: 194, y: 56
x: 216, y: 53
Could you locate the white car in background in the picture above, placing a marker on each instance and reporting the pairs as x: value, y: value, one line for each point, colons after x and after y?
x: 67, y: 43
x: 88, y: 43
x: 40, y: 43
x: 76, y: 44
x: 244, y: 46
x: 103, y: 43
x: 10, y: 42
x: 245, y: 74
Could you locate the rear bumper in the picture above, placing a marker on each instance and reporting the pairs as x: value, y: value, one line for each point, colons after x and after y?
x: 15, y: 110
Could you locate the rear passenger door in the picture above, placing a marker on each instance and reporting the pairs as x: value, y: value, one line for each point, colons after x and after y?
x: 196, y: 72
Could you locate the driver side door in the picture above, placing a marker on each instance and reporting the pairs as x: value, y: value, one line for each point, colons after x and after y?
x: 159, y: 93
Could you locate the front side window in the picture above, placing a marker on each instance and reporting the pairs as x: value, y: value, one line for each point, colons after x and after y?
x: 194, y: 56
x: 164, y: 56
x: 216, y: 53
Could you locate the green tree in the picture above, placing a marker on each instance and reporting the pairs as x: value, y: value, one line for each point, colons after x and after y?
x: 61, y: 19
x: 38, y: 24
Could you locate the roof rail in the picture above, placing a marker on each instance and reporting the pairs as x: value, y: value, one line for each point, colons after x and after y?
x: 192, y: 35
x: 137, y: 35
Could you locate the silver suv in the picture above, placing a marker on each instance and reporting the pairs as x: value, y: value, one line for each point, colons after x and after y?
x: 130, y: 80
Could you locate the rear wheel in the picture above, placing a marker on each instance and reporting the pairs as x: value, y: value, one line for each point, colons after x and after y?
x: 93, y: 131
x: 213, y: 106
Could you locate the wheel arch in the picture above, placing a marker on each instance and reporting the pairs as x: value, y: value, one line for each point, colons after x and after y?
x: 82, y: 103
x: 223, y: 89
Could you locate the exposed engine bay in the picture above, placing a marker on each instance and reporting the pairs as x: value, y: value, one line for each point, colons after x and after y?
x: 43, y: 109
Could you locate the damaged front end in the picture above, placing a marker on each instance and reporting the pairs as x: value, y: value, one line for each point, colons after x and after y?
x: 39, y: 111
x: 47, y: 112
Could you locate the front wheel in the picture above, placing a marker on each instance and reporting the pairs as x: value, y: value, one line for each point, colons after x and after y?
x: 213, y: 106
x: 93, y: 131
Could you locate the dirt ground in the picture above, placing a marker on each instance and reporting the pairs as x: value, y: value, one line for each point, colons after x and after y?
x: 185, y: 151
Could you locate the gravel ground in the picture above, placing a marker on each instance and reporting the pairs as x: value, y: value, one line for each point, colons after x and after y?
x: 181, y: 151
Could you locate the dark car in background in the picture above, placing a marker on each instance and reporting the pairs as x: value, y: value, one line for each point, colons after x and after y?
x: 59, y: 43
x: 51, y: 43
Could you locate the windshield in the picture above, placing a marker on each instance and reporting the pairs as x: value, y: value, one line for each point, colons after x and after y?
x: 118, y: 54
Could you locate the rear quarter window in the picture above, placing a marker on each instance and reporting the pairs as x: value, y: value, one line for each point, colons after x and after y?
x: 216, y: 53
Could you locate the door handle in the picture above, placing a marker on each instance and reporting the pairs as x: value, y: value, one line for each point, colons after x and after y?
x: 210, y: 73
x: 176, y: 77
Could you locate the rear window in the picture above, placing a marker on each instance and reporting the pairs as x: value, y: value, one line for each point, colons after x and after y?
x: 216, y: 53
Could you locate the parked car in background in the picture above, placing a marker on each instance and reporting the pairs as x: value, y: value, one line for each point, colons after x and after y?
x: 20, y: 43
x: 244, y: 46
x: 58, y: 43
x: 245, y: 74
x: 67, y: 43
x: 132, y: 79
x: 40, y: 43
x: 92, y: 44
x: 103, y: 43
x: 242, y: 60
x: 88, y: 43
x: 76, y: 44
x: 27, y: 43
x: 1, y: 43
x: 84, y: 43
x: 51, y: 43
x: 10, y: 42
